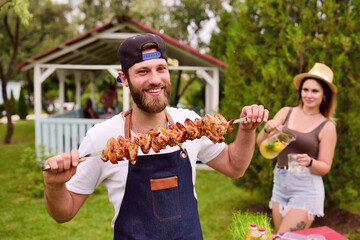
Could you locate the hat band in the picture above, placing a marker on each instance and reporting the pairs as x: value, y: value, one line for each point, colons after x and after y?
x: 321, y: 75
x: 152, y: 55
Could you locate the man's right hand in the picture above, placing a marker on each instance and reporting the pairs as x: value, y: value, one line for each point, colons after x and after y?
x: 63, y: 167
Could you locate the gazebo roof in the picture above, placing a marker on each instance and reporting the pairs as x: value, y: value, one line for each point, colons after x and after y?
x: 99, y: 47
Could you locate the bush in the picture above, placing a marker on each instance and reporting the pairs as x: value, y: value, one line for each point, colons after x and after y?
x: 34, y: 184
x: 23, y: 109
x: 267, y: 44
x: 12, y: 103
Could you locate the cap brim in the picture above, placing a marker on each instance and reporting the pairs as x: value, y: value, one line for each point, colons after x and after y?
x: 118, y: 79
x: 299, y: 78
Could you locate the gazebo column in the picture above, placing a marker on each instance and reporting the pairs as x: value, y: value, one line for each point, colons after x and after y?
x: 126, y: 92
x: 37, y: 91
x: 211, y: 90
x: 61, y: 76
x: 39, y: 77
x: 78, y: 89
x: 126, y: 98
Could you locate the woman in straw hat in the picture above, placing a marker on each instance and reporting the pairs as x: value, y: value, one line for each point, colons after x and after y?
x: 298, y: 196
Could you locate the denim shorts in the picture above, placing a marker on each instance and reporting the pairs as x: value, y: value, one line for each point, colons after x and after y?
x: 298, y: 189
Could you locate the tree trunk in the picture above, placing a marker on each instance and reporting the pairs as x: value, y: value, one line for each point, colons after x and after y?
x: 6, y: 78
x: 10, y: 127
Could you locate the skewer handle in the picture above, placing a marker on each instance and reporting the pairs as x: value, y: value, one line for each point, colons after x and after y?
x: 82, y: 159
x: 240, y: 120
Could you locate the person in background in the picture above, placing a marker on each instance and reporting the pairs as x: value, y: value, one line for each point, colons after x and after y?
x: 298, y: 196
x: 108, y: 97
x: 154, y: 199
x: 88, y: 110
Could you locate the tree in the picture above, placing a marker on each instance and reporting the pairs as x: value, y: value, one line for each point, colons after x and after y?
x: 268, y: 42
x: 44, y: 28
x: 12, y: 103
x: 183, y: 20
x: 19, y: 11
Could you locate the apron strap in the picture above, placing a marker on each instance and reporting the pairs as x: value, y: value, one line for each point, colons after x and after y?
x: 127, y: 116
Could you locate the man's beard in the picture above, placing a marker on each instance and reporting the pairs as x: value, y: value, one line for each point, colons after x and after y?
x: 150, y: 104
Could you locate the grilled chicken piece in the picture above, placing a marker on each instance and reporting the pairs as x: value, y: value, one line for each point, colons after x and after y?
x: 111, y: 151
x: 144, y: 141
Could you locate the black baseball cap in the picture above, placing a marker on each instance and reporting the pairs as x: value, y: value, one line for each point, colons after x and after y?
x: 130, y: 50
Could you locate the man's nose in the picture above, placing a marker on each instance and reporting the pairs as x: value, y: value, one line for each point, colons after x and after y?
x: 155, y: 77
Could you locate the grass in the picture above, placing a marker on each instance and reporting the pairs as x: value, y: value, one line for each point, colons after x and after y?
x: 242, y: 220
x: 218, y: 200
x: 23, y: 217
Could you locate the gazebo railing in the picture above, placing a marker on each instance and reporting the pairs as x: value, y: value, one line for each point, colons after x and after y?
x: 58, y: 135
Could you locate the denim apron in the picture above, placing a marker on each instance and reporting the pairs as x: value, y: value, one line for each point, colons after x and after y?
x: 159, y: 201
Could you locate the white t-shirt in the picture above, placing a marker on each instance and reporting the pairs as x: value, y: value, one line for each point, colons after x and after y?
x: 94, y: 171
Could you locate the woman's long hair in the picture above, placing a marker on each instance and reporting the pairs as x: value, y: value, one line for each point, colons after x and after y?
x: 88, y: 103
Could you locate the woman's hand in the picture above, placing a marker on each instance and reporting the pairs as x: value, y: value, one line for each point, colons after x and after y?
x: 270, y: 126
x: 304, y: 160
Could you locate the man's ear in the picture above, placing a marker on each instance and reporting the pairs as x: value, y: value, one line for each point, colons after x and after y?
x: 123, y: 78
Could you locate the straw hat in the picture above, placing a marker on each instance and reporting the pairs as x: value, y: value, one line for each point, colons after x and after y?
x: 319, y: 71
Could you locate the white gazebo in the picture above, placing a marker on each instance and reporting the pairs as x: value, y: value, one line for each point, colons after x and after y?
x: 96, y: 51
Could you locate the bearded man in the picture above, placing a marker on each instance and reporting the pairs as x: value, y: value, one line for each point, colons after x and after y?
x: 154, y: 199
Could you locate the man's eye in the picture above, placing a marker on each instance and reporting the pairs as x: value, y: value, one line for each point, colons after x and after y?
x: 161, y: 68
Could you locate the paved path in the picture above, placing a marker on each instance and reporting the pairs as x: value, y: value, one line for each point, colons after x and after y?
x: 15, y: 118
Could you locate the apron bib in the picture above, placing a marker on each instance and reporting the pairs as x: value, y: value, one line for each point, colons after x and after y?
x: 159, y: 201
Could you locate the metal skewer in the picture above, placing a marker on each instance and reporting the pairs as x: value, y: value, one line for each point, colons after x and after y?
x: 81, y: 159
x: 243, y: 119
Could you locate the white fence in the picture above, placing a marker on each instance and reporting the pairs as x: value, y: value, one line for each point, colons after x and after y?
x: 58, y: 135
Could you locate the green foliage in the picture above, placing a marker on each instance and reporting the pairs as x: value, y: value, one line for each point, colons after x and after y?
x: 22, y: 109
x: 21, y: 8
x: 175, y: 18
x: 191, y: 90
x: 242, y: 220
x: 33, y: 185
x: 267, y: 44
x: 12, y: 103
